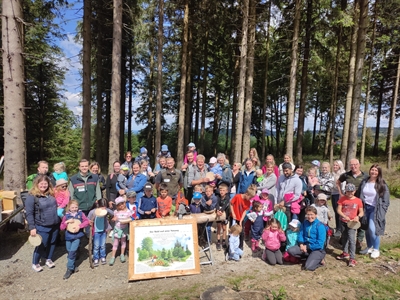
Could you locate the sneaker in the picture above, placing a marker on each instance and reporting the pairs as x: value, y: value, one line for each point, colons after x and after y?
x: 218, y: 245
x: 367, y: 251
x: 122, y: 258
x: 111, y: 261
x: 342, y: 256
x: 375, y: 253
x: 37, y: 268
x: 96, y: 263
x: 68, y: 274
x: 111, y: 234
x: 224, y: 244
x: 352, y: 263
x: 103, y: 260
x: 50, y: 264
x: 338, y: 234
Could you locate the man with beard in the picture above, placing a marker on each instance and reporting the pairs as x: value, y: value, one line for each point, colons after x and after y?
x: 43, y: 169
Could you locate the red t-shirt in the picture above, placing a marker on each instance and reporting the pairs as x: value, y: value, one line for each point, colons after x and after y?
x: 239, y: 205
x: 350, y: 207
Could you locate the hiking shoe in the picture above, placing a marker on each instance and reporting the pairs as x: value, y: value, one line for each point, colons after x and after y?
x: 352, y: 263
x: 342, y: 256
x: 68, y: 274
x: 50, y: 264
x: 367, y: 251
x: 111, y: 261
x: 96, y: 263
x: 122, y: 258
x: 37, y: 268
x: 375, y: 253
x: 103, y: 260
x: 218, y: 245
x: 224, y: 244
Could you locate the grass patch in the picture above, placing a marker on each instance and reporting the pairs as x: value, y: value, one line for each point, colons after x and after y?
x: 387, y: 286
x: 280, y: 295
x: 236, y: 282
x: 391, y: 250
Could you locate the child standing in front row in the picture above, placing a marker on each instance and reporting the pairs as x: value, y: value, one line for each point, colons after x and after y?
x: 147, y: 206
x: 235, y: 253
x: 121, y: 230
x: 164, y: 202
x: 73, y: 238
x: 132, y: 204
x: 272, y: 237
x: 350, y: 208
x: 100, y: 226
x: 257, y: 226
x: 222, y: 206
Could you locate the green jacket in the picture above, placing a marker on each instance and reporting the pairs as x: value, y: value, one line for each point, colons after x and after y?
x: 86, y: 190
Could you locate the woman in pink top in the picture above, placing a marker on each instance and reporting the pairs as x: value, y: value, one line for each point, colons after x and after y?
x: 270, y: 159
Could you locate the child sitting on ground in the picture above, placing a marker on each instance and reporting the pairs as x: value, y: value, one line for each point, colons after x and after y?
x: 235, y: 252
x: 121, y: 229
x: 222, y: 206
x: 164, y: 202
x: 59, y: 171
x: 257, y: 226
x: 292, y: 233
x: 147, y: 206
x: 132, y: 204
x: 272, y: 237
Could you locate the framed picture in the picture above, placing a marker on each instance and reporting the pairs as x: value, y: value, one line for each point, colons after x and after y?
x: 163, y: 248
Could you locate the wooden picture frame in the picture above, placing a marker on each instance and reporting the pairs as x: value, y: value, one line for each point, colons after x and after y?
x: 163, y: 248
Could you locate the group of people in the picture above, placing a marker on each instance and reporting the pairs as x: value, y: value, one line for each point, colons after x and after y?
x: 280, y: 205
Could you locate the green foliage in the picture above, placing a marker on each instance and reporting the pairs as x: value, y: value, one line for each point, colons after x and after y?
x: 147, y: 244
x: 280, y: 295
x: 143, y: 255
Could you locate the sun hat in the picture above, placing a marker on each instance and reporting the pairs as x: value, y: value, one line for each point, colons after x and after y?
x: 124, y: 168
x: 119, y: 200
x: 71, y: 227
x: 143, y: 150
x: 35, y: 240
x: 350, y: 187
x: 191, y: 145
x: 316, y: 163
x: 100, y: 212
x: 265, y: 191
x: 148, y: 186
x: 353, y: 224
x: 164, y: 148
x: 131, y: 194
x: 294, y: 223
x: 61, y: 182
x: 213, y: 160
x: 322, y: 197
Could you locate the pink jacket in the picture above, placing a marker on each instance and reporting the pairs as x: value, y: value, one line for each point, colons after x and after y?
x: 272, y: 239
x: 268, y: 209
x: 62, y: 198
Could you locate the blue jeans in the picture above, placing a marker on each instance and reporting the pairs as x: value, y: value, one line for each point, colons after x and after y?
x: 48, y: 245
x: 72, y: 247
x: 99, y: 245
x: 373, y: 240
x: 236, y: 254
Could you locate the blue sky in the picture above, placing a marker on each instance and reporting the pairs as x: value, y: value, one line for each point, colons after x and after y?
x: 73, y: 84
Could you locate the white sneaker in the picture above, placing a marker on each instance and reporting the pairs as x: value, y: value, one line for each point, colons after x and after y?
x: 375, y: 253
x: 111, y: 234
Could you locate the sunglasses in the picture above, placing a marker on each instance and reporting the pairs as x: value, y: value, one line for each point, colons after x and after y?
x: 64, y: 186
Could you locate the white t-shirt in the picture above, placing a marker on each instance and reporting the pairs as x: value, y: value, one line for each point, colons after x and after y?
x: 369, y: 193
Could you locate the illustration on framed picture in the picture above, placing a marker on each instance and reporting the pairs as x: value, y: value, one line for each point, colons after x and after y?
x: 163, y: 248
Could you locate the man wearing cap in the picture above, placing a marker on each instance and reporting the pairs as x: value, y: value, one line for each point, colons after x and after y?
x: 288, y: 183
x: 354, y: 176
x: 189, y: 172
x: 171, y: 177
x: 147, y: 206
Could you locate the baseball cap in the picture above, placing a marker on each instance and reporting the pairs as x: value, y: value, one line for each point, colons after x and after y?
x: 322, y: 197
x: 148, y: 186
x: 196, y: 195
x: 316, y: 163
x: 124, y: 168
x: 213, y: 160
x: 191, y: 145
x: 350, y: 187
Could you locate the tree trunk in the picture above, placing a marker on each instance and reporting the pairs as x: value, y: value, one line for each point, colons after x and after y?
x: 242, y: 83
x: 368, y: 91
x: 204, y: 94
x: 99, y: 96
x: 159, y: 99
x: 181, y: 123
x: 86, y: 84
x: 234, y: 103
x: 292, y: 85
x: 130, y: 96
x: 265, y: 91
x: 114, y: 148
x: 378, y: 116
x: 216, y: 121
x: 392, y: 119
x: 14, y: 95
x: 196, y: 124
x: 355, y: 105
x: 149, y: 139
x: 189, y: 101
x: 350, y: 88
x: 249, y: 79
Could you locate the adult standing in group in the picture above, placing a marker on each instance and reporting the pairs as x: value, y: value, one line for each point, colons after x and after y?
x: 270, y: 159
x: 42, y: 169
x: 270, y: 181
x: 94, y: 168
x: 200, y: 172
x: 171, y: 177
x: 162, y: 164
x: 188, y: 169
x: 288, y: 183
x: 128, y: 159
x: 111, y: 184
x: 326, y: 179
x: 288, y: 160
x: 226, y: 176
x: 338, y: 169
x: 41, y: 214
x: 354, y: 176
x: 247, y: 176
x: 146, y: 170
x: 236, y: 167
x: 84, y: 187
x: 135, y: 182
x: 374, y: 193
x: 253, y: 156
x: 308, y: 197
x: 311, y: 241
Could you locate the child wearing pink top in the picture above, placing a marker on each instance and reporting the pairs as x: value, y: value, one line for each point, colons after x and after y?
x: 62, y: 196
x: 272, y: 237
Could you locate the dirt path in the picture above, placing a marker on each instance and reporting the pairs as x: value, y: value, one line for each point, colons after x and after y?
x: 370, y: 278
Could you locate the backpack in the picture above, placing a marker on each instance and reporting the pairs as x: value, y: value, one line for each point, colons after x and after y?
x: 29, y: 181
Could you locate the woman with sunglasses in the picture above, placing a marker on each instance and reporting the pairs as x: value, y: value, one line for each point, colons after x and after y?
x: 128, y: 159
x: 62, y: 196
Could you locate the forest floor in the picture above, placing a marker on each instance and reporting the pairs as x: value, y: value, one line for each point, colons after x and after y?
x: 370, y: 279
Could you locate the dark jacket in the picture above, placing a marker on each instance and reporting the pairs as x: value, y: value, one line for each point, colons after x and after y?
x: 147, y: 204
x: 257, y: 227
x: 111, y: 189
x: 86, y: 192
x: 382, y: 205
x: 224, y: 205
x: 41, y: 213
